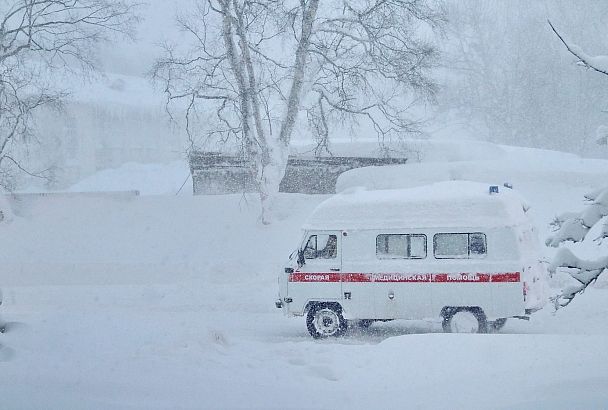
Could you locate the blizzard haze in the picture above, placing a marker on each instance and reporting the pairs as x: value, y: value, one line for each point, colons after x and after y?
x: 121, y: 288
x: 527, y: 90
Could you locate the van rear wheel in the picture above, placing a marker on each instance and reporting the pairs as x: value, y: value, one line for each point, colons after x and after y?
x: 325, y: 320
x: 464, y: 320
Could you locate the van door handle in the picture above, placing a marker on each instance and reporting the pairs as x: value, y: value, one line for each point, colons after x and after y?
x: 334, y: 269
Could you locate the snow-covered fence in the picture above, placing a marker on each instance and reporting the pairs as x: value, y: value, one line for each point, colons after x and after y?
x: 216, y: 173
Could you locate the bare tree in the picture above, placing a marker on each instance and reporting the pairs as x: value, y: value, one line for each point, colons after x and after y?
x: 38, y: 39
x: 258, y: 64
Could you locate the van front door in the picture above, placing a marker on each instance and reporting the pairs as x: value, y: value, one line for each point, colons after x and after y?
x: 319, y: 277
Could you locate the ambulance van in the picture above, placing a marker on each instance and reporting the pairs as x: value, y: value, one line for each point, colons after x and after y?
x: 461, y: 251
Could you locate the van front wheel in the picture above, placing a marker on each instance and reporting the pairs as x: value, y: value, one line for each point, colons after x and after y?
x: 325, y: 320
x: 464, y: 320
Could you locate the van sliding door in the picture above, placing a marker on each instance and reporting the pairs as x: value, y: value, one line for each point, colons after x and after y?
x: 402, y: 288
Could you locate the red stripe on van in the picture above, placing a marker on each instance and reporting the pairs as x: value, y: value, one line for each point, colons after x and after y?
x: 314, y: 277
x: 404, y: 277
x: 462, y: 277
x: 356, y: 277
x: 506, y: 277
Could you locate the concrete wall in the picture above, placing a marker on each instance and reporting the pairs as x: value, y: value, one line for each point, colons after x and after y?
x: 214, y: 173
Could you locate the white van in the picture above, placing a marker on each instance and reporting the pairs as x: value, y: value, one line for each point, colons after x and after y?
x: 458, y: 250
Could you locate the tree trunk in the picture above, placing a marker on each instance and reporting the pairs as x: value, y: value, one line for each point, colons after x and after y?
x: 275, y: 170
x: 242, y: 67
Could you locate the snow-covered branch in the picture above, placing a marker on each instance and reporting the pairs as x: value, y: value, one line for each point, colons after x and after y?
x: 596, y: 63
x: 62, y: 30
x: 372, y: 65
x: 585, y: 272
x: 575, y: 227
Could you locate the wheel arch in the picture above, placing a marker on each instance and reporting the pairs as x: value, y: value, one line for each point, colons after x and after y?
x: 315, y: 303
x: 448, y: 311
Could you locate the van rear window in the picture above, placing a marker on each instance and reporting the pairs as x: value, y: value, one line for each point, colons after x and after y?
x: 400, y: 246
x: 459, y: 245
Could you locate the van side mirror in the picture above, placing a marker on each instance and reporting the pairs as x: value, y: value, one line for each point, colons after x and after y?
x: 301, y: 259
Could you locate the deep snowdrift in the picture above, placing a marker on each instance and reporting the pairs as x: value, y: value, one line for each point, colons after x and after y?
x: 167, y: 302
x: 147, y: 179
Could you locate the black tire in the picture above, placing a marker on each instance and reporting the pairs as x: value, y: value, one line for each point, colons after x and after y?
x: 451, y: 312
x: 498, y: 324
x: 325, y: 320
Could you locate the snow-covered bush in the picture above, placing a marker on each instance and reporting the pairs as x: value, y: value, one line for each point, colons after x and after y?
x: 588, y: 227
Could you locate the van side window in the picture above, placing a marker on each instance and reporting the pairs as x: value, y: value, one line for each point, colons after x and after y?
x: 477, y: 244
x: 400, y: 246
x: 321, y: 246
x: 459, y: 245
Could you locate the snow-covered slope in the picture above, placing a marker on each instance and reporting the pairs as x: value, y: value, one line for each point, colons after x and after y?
x: 147, y: 179
x: 167, y: 302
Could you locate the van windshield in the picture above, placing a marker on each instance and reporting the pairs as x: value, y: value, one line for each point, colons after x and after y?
x: 321, y: 246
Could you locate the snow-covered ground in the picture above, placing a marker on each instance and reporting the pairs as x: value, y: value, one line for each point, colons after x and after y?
x: 147, y: 179
x: 164, y: 301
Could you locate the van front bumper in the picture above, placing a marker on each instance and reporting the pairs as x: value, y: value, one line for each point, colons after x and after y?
x: 280, y: 303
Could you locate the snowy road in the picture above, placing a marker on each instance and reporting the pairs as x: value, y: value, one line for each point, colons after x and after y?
x: 163, y: 347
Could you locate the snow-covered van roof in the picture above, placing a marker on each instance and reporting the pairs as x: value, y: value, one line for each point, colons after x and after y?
x: 452, y: 204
